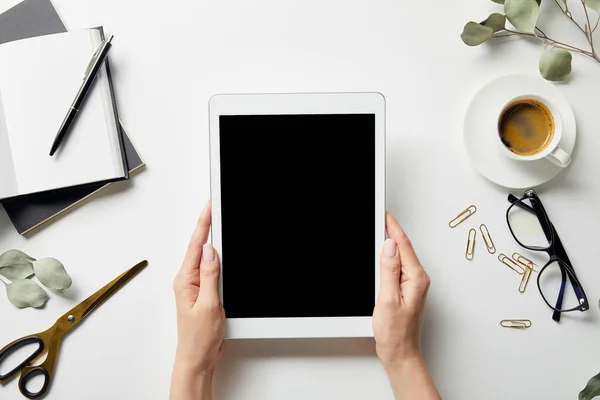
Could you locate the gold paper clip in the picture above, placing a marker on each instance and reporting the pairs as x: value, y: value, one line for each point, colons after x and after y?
x: 516, y: 323
x: 525, y: 280
x: 470, y: 251
x: 462, y: 216
x: 504, y: 259
x: 487, y: 238
x: 526, y: 262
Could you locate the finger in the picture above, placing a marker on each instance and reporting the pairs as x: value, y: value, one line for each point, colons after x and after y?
x: 389, y: 285
x: 414, y: 280
x: 210, y: 271
x: 410, y: 261
x: 191, y: 261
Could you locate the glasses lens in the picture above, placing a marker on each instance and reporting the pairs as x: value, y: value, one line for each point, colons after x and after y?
x: 550, y: 281
x: 526, y: 225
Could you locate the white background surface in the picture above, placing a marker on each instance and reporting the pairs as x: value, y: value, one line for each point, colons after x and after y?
x: 170, y: 57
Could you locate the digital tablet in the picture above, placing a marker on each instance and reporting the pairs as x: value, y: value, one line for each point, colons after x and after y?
x: 298, y: 211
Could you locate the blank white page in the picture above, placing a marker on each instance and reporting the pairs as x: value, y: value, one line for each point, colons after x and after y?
x: 8, y: 182
x: 39, y: 79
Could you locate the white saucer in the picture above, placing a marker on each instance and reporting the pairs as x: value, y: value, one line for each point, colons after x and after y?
x: 480, y: 132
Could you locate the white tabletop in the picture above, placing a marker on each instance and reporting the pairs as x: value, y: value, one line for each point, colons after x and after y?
x: 170, y: 57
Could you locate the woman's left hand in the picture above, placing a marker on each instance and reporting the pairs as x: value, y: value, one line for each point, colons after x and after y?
x: 200, y: 316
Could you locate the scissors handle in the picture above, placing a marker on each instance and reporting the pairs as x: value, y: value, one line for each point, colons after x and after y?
x: 16, y: 345
x: 28, y: 374
x: 48, y: 342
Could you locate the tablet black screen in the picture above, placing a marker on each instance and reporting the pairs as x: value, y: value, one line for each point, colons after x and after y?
x: 298, y: 215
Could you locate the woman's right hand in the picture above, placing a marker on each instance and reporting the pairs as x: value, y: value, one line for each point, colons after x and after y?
x: 398, y: 316
x: 403, y: 290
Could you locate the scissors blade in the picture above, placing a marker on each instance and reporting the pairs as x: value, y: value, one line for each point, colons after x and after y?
x: 84, y: 308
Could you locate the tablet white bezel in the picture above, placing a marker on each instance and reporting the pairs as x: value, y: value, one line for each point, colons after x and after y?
x: 319, y: 103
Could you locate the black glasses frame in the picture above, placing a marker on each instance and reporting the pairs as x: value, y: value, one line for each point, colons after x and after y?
x: 555, y: 251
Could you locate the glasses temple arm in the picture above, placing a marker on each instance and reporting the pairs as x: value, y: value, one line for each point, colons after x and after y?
x: 561, y: 293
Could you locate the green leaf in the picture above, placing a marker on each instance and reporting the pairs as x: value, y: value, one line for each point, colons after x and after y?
x: 496, y: 21
x: 10, y: 256
x: 523, y: 14
x: 593, y: 4
x: 18, y: 269
x: 26, y: 293
x: 474, y: 34
x: 592, y: 389
x: 52, y: 273
x: 555, y: 64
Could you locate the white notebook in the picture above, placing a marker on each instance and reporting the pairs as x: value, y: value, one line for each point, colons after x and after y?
x: 39, y: 78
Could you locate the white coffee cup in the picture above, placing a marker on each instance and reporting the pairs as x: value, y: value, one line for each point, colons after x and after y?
x: 552, y: 152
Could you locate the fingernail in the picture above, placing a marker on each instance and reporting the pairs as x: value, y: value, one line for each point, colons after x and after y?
x: 389, y: 248
x: 208, y: 253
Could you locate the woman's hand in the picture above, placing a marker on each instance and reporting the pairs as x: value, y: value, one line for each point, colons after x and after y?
x: 200, y: 317
x: 398, y: 316
x: 403, y: 289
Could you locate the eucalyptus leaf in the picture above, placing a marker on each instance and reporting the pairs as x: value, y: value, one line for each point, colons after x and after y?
x: 10, y: 256
x: 523, y: 14
x: 593, y: 4
x: 18, y: 269
x: 592, y: 389
x: 498, y: 1
x: 52, y: 274
x: 474, y: 34
x: 555, y: 64
x: 496, y: 21
x: 26, y: 293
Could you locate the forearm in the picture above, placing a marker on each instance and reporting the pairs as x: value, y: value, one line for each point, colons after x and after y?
x: 186, y: 384
x: 410, y: 379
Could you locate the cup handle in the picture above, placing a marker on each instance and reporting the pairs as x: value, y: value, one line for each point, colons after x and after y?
x: 559, y: 157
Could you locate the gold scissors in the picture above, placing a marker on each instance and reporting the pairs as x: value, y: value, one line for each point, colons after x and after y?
x: 49, y: 341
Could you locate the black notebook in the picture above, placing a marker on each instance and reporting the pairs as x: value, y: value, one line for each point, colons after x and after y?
x: 28, y: 19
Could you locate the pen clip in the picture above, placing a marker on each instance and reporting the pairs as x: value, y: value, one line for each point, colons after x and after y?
x: 95, y: 56
x: 91, y: 63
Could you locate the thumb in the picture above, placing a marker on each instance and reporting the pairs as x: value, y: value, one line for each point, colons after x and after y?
x: 389, y: 270
x: 210, y: 270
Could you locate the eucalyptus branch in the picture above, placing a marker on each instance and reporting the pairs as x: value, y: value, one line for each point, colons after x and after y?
x: 597, y: 21
x: 541, y: 31
x: 556, y: 59
x: 564, y: 10
x: 590, y: 36
x: 18, y: 268
x: 548, y: 41
x: 570, y: 16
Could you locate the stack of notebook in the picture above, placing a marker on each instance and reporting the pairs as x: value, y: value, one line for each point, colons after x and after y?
x: 41, y: 66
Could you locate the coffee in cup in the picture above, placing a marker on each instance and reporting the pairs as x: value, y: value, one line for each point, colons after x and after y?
x: 530, y: 128
x: 526, y: 127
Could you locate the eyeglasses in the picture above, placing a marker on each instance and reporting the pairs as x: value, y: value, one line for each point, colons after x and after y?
x: 530, y: 226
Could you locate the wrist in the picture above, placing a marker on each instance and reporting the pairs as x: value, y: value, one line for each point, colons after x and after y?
x: 190, y: 382
x: 394, y: 355
x: 410, y: 379
x: 192, y: 368
x: 400, y: 366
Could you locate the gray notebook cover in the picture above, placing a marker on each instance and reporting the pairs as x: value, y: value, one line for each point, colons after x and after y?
x: 27, y: 19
